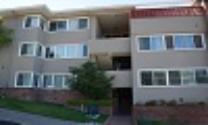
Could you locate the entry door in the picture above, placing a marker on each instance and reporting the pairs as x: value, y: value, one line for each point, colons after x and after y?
x: 122, y: 101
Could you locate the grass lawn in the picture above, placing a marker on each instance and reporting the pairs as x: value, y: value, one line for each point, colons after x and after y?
x: 45, y: 109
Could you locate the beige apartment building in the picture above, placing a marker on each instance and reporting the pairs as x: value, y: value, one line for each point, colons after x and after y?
x: 154, y: 54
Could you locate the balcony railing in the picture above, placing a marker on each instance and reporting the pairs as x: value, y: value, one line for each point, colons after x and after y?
x: 115, y: 45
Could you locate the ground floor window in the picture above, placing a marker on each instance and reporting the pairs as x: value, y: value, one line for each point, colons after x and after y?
x: 24, y: 79
x: 27, y: 79
x: 57, y: 80
x: 47, y: 81
x: 153, y: 78
x: 173, y: 77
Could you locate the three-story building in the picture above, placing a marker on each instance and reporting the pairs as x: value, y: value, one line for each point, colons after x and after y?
x: 154, y: 54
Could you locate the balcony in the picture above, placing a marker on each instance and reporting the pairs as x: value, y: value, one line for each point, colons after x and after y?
x: 122, y: 79
x: 110, y: 45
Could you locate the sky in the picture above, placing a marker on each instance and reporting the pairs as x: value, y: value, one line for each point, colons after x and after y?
x: 57, y: 5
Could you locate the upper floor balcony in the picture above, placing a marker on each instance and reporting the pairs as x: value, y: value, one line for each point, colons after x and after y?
x: 117, y: 66
x: 110, y: 45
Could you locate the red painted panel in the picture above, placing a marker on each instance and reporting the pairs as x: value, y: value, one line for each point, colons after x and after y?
x: 163, y: 12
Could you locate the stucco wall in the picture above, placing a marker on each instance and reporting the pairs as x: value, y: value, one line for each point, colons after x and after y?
x: 167, y: 59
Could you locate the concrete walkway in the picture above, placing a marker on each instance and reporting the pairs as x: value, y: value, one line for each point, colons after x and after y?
x: 30, y: 119
x: 120, y: 120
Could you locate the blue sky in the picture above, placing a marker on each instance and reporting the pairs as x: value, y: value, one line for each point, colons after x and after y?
x: 76, y: 4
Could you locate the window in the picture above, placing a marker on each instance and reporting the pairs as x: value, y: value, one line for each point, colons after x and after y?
x: 62, y: 81
x: 171, y: 42
x: 183, y: 41
x: 50, y: 52
x: 39, y: 50
x: 174, y: 77
x: 24, y: 80
x: 31, y: 22
x: 58, y: 25
x: 153, y: 78
x: 159, y: 78
x: 67, y: 51
x: 70, y: 51
x: 30, y: 49
x: 60, y: 51
x: 67, y: 81
x: 187, y: 77
x: 27, y: 49
x: 76, y: 51
x: 36, y: 80
x: 146, y: 78
x: 73, y: 24
x: 85, y: 50
x: 48, y: 81
x: 56, y: 80
x: 83, y: 22
x: 151, y: 43
x: 69, y: 24
x: 43, y: 23
x: 34, y: 21
x: 144, y: 43
x: 188, y: 41
x: 201, y: 76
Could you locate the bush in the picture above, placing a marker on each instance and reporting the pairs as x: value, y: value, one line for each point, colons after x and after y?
x: 201, y: 103
x: 6, y: 34
x: 91, y: 81
x: 172, y: 103
x: 78, y: 102
x: 162, y: 103
x: 151, y: 103
x: 150, y: 122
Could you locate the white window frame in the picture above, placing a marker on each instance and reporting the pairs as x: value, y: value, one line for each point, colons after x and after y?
x: 189, y: 34
x: 52, y: 77
x: 65, y: 51
x: 150, y: 37
x: 165, y: 45
x: 182, y: 77
x: 43, y: 50
x: 67, y: 24
x: 53, y: 80
x: 39, y: 82
x: 35, y: 45
x: 82, y: 17
x: 57, y: 30
x: 27, y: 55
x: 38, y: 23
x: 63, y: 85
x: 31, y: 81
x: 139, y: 80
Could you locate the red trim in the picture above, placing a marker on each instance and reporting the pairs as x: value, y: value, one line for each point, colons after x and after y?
x: 163, y: 12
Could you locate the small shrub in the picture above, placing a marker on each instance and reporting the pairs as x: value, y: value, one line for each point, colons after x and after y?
x: 201, y: 103
x: 151, y: 103
x: 172, y: 103
x: 150, y: 122
x: 162, y: 103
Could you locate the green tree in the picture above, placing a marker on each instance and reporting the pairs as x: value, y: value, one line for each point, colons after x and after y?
x: 5, y: 34
x: 91, y: 81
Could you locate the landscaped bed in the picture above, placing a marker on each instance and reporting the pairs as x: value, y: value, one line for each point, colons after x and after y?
x: 46, y: 109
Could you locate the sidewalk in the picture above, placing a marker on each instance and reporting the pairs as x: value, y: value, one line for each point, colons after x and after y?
x: 120, y: 120
x: 30, y: 119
